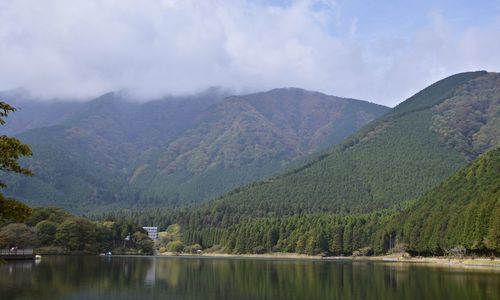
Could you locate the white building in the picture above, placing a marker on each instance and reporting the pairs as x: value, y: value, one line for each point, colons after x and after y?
x: 152, y: 232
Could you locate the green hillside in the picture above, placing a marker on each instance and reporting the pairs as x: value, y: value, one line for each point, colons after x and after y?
x: 462, y: 211
x: 73, y: 167
x: 111, y: 153
x: 396, y: 158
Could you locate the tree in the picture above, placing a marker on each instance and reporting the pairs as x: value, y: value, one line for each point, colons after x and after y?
x: 17, y: 234
x: 77, y: 234
x: 142, y: 241
x: 335, y: 242
x: 12, y: 210
x: 46, y: 232
x: 53, y: 214
x: 11, y: 150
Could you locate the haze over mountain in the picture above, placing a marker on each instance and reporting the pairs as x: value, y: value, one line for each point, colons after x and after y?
x: 113, y: 153
x: 384, y: 51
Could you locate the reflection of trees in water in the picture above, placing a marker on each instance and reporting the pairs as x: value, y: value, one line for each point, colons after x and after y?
x: 66, y: 275
x: 159, y: 278
x: 260, y: 279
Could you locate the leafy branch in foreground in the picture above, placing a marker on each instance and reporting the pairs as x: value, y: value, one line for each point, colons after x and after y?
x: 11, y: 150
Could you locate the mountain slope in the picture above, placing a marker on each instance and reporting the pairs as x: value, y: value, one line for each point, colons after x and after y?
x: 396, y: 158
x: 463, y: 210
x: 112, y: 153
x: 83, y: 162
x: 245, y: 138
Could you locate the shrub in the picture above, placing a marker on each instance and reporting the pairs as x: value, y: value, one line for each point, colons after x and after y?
x: 175, y: 246
x: 457, y: 251
x: 193, y: 249
x: 259, y: 250
x: 214, y: 249
x: 365, y: 251
x: 399, y: 248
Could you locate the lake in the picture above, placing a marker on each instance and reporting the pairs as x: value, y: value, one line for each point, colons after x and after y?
x: 74, y: 277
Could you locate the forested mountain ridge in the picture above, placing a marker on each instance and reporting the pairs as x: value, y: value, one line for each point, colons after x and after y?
x: 244, y: 138
x: 113, y: 153
x: 396, y: 158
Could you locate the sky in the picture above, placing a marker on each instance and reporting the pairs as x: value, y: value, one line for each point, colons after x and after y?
x: 380, y: 51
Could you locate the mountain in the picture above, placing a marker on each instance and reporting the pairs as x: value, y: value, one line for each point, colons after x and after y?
x: 82, y: 161
x: 245, y: 138
x: 114, y: 153
x: 396, y: 158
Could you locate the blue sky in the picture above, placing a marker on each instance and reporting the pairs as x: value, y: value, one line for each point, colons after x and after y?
x: 382, y: 51
x: 385, y: 17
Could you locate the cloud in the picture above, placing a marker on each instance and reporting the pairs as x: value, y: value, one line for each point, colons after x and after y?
x: 83, y: 48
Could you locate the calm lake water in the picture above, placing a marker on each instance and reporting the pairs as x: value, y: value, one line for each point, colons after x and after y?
x: 69, y: 277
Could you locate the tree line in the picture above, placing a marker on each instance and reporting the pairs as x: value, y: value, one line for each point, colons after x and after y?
x: 52, y: 230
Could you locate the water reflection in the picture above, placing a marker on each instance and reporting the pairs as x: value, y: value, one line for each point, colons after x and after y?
x: 204, y: 278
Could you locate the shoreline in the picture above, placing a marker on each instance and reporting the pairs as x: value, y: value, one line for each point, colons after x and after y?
x: 453, y: 262
x: 464, y: 263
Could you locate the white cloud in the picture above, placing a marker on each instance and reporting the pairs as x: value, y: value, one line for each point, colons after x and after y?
x: 84, y: 48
